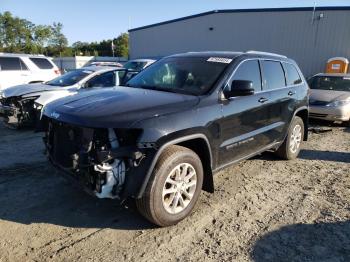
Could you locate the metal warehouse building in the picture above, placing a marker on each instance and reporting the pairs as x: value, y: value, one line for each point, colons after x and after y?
x: 309, y: 36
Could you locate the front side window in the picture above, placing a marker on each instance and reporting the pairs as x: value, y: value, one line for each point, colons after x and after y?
x: 70, y: 78
x: 42, y: 63
x: 335, y: 83
x: 11, y: 64
x: 273, y: 75
x: 186, y: 75
x: 292, y: 75
x: 249, y: 71
x: 102, y: 80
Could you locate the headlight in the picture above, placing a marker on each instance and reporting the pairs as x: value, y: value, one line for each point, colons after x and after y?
x: 339, y: 103
x: 38, y: 106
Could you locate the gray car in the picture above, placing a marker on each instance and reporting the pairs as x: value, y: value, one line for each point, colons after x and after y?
x: 330, y: 97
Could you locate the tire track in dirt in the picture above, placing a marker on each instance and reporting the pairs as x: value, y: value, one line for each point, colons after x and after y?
x: 253, y: 200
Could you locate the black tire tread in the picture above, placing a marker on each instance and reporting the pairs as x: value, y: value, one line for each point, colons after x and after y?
x: 282, y: 151
x: 144, y: 204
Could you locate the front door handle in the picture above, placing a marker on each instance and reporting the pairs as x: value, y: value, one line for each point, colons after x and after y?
x: 291, y: 93
x: 263, y: 100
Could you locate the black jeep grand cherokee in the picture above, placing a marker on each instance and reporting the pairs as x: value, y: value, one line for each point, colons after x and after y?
x: 160, y: 138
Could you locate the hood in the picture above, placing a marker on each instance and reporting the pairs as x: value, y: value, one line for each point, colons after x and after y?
x: 28, y: 89
x: 328, y: 95
x: 116, y: 107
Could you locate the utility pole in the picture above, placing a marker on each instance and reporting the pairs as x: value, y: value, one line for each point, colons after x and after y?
x: 112, y: 46
x: 313, y: 13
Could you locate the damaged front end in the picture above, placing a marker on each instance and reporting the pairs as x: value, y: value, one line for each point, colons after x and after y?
x: 18, y: 111
x: 103, y: 160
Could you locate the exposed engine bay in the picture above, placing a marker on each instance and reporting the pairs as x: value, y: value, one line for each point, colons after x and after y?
x: 96, y: 157
x: 19, y: 111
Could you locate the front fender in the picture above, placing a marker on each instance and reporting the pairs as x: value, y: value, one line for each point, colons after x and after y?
x: 138, y: 177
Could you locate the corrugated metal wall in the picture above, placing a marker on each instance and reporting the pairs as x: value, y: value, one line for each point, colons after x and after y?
x: 291, y: 33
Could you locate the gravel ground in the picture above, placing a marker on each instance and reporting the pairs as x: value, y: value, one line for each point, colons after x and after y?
x: 264, y: 209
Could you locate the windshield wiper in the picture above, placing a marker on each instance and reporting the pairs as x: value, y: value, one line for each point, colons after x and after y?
x: 157, y: 88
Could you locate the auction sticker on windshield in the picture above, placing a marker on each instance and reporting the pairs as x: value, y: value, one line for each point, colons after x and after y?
x: 220, y: 60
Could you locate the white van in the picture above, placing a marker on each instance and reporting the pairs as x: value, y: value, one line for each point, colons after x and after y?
x: 17, y: 69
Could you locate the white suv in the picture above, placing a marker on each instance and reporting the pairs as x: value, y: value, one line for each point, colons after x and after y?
x: 16, y: 69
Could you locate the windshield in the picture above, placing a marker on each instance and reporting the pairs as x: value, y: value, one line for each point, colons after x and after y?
x: 70, y: 78
x: 186, y: 75
x: 334, y: 83
x: 133, y: 65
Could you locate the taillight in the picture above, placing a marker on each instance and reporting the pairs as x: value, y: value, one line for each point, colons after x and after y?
x: 57, y: 72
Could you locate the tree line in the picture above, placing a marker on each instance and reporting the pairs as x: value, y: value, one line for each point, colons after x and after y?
x: 19, y: 35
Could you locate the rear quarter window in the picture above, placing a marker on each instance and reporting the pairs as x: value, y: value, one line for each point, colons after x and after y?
x: 273, y: 75
x: 292, y: 74
x: 42, y: 63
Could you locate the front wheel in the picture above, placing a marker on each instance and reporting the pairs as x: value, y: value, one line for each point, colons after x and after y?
x: 173, y: 188
x: 290, y: 148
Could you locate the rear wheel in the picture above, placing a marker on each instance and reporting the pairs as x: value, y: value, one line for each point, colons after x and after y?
x: 291, y: 146
x: 173, y: 188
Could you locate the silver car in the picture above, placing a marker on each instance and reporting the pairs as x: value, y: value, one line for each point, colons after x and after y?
x: 21, y: 105
x: 330, y: 97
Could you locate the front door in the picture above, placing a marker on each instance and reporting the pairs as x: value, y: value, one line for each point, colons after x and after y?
x: 245, y: 123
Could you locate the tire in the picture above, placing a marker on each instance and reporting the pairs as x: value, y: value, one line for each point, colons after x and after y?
x: 153, y: 205
x: 286, y: 151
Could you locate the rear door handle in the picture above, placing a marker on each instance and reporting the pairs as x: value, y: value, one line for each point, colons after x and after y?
x: 263, y: 100
x: 291, y: 93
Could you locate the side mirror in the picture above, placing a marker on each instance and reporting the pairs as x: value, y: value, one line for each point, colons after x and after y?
x: 239, y: 88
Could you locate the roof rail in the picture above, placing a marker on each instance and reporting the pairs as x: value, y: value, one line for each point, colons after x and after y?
x: 264, y: 53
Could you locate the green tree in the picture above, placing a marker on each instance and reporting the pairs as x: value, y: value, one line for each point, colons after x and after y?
x: 42, y: 35
x: 122, y: 45
x: 22, y: 36
x: 58, y: 42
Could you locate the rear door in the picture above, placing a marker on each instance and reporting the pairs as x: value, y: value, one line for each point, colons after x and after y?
x: 13, y: 72
x: 245, y: 119
x: 281, y: 98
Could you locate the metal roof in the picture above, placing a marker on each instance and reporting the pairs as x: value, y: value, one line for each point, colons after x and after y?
x: 290, y: 9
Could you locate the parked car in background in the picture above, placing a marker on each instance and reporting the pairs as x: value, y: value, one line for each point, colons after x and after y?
x: 161, y: 138
x: 110, y: 64
x: 21, y: 105
x: 17, y: 69
x: 330, y: 97
x: 138, y: 64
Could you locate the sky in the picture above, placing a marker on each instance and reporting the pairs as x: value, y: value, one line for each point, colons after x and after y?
x: 89, y: 20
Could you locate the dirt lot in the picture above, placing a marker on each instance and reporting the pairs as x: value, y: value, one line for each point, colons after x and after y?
x: 264, y: 209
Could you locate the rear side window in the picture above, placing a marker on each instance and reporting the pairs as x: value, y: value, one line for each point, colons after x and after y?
x: 273, y: 75
x: 135, y: 65
x: 292, y: 75
x: 249, y: 71
x: 12, y: 64
x: 42, y: 63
